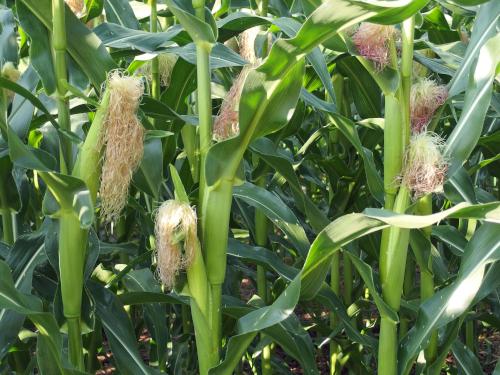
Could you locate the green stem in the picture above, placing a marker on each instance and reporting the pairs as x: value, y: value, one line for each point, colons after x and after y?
x: 469, y: 335
x: 215, y: 224
x: 394, y: 243
x: 261, y: 231
x: 155, y: 73
x: 204, y: 106
x: 348, y: 279
x: 335, y: 285
x: 394, y: 249
x: 409, y: 280
x: 6, y: 169
x: 424, y: 207
x: 72, y: 251
x: 95, y: 342
x: 215, y: 321
x: 388, y: 347
x: 407, y: 35
x: 59, y: 47
x: 393, y: 148
x: 7, y: 225
x: 75, y: 343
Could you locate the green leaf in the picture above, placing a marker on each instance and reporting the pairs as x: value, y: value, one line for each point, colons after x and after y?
x: 84, y: 46
x: 179, y: 190
x: 466, y: 360
x: 277, y: 212
x: 149, y: 176
x: 271, y: 90
x: 250, y: 324
x: 352, y: 226
x: 94, y: 9
x: 117, y: 36
x: 364, y: 89
x: 288, y: 334
x: 8, y: 42
x: 290, y: 27
x: 119, y: 331
x: 262, y: 257
x: 18, y: 89
x: 199, y: 31
x: 366, y: 273
x: 12, y: 199
x: 49, y: 340
x: 267, y: 151
x: 26, y: 254
x: 40, y: 49
x: 220, y: 55
x: 121, y: 13
x: 452, y: 301
x: 143, y: 280
x: 22, y: 109
x: 466, y: 133
x: 348, y: 129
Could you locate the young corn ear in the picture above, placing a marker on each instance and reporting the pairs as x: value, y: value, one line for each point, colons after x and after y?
x: 372, y: 42
x: 10, y: 72
x: 123, y: 138
x: 176, y: 239
x: 425, y: 97
x: 226, y: 125
x: 425, y: 166
x: 166, y: 62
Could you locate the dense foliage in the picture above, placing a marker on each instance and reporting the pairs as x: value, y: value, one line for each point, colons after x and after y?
x: 249, y: 186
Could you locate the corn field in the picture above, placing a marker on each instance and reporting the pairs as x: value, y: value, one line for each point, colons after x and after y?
x: 250, y: 187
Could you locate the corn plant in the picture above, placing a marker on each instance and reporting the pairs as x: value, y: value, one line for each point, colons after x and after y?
x: 265, y: 187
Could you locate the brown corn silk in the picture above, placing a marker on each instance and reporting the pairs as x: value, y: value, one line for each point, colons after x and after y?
x: 123, y: 139
x: 372, y: 42
x: 425, y: 166
x: 176, y: 239
x: 10, y: 72
x: 166, y: 62
x: 226, y: 124
x: 426, y: 96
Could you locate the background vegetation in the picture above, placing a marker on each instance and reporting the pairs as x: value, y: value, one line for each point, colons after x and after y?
x: 313, y: 251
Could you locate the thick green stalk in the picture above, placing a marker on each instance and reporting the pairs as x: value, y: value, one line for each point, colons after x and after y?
x: 6, y: 168
x: 407, y: 288
x: 72, y: 251
x: 155, y: 73
x: 204, y: 103
x: 75, y: 342
x: 469, y: 335
x: 348, y: 279
x: 424, y: 207
x: 214, y: 204
x: 394, y: 243
x: 335, y: 285
x: 73, y: 239
x: 200, y: 306
x: 388, y: 347
x: 59, y: 47
x: 215, y: 224
x: 393, y: 148
x: 7, y: 224
x: 407, y: 34
x: 261, y: 231
x: 393, y: 254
